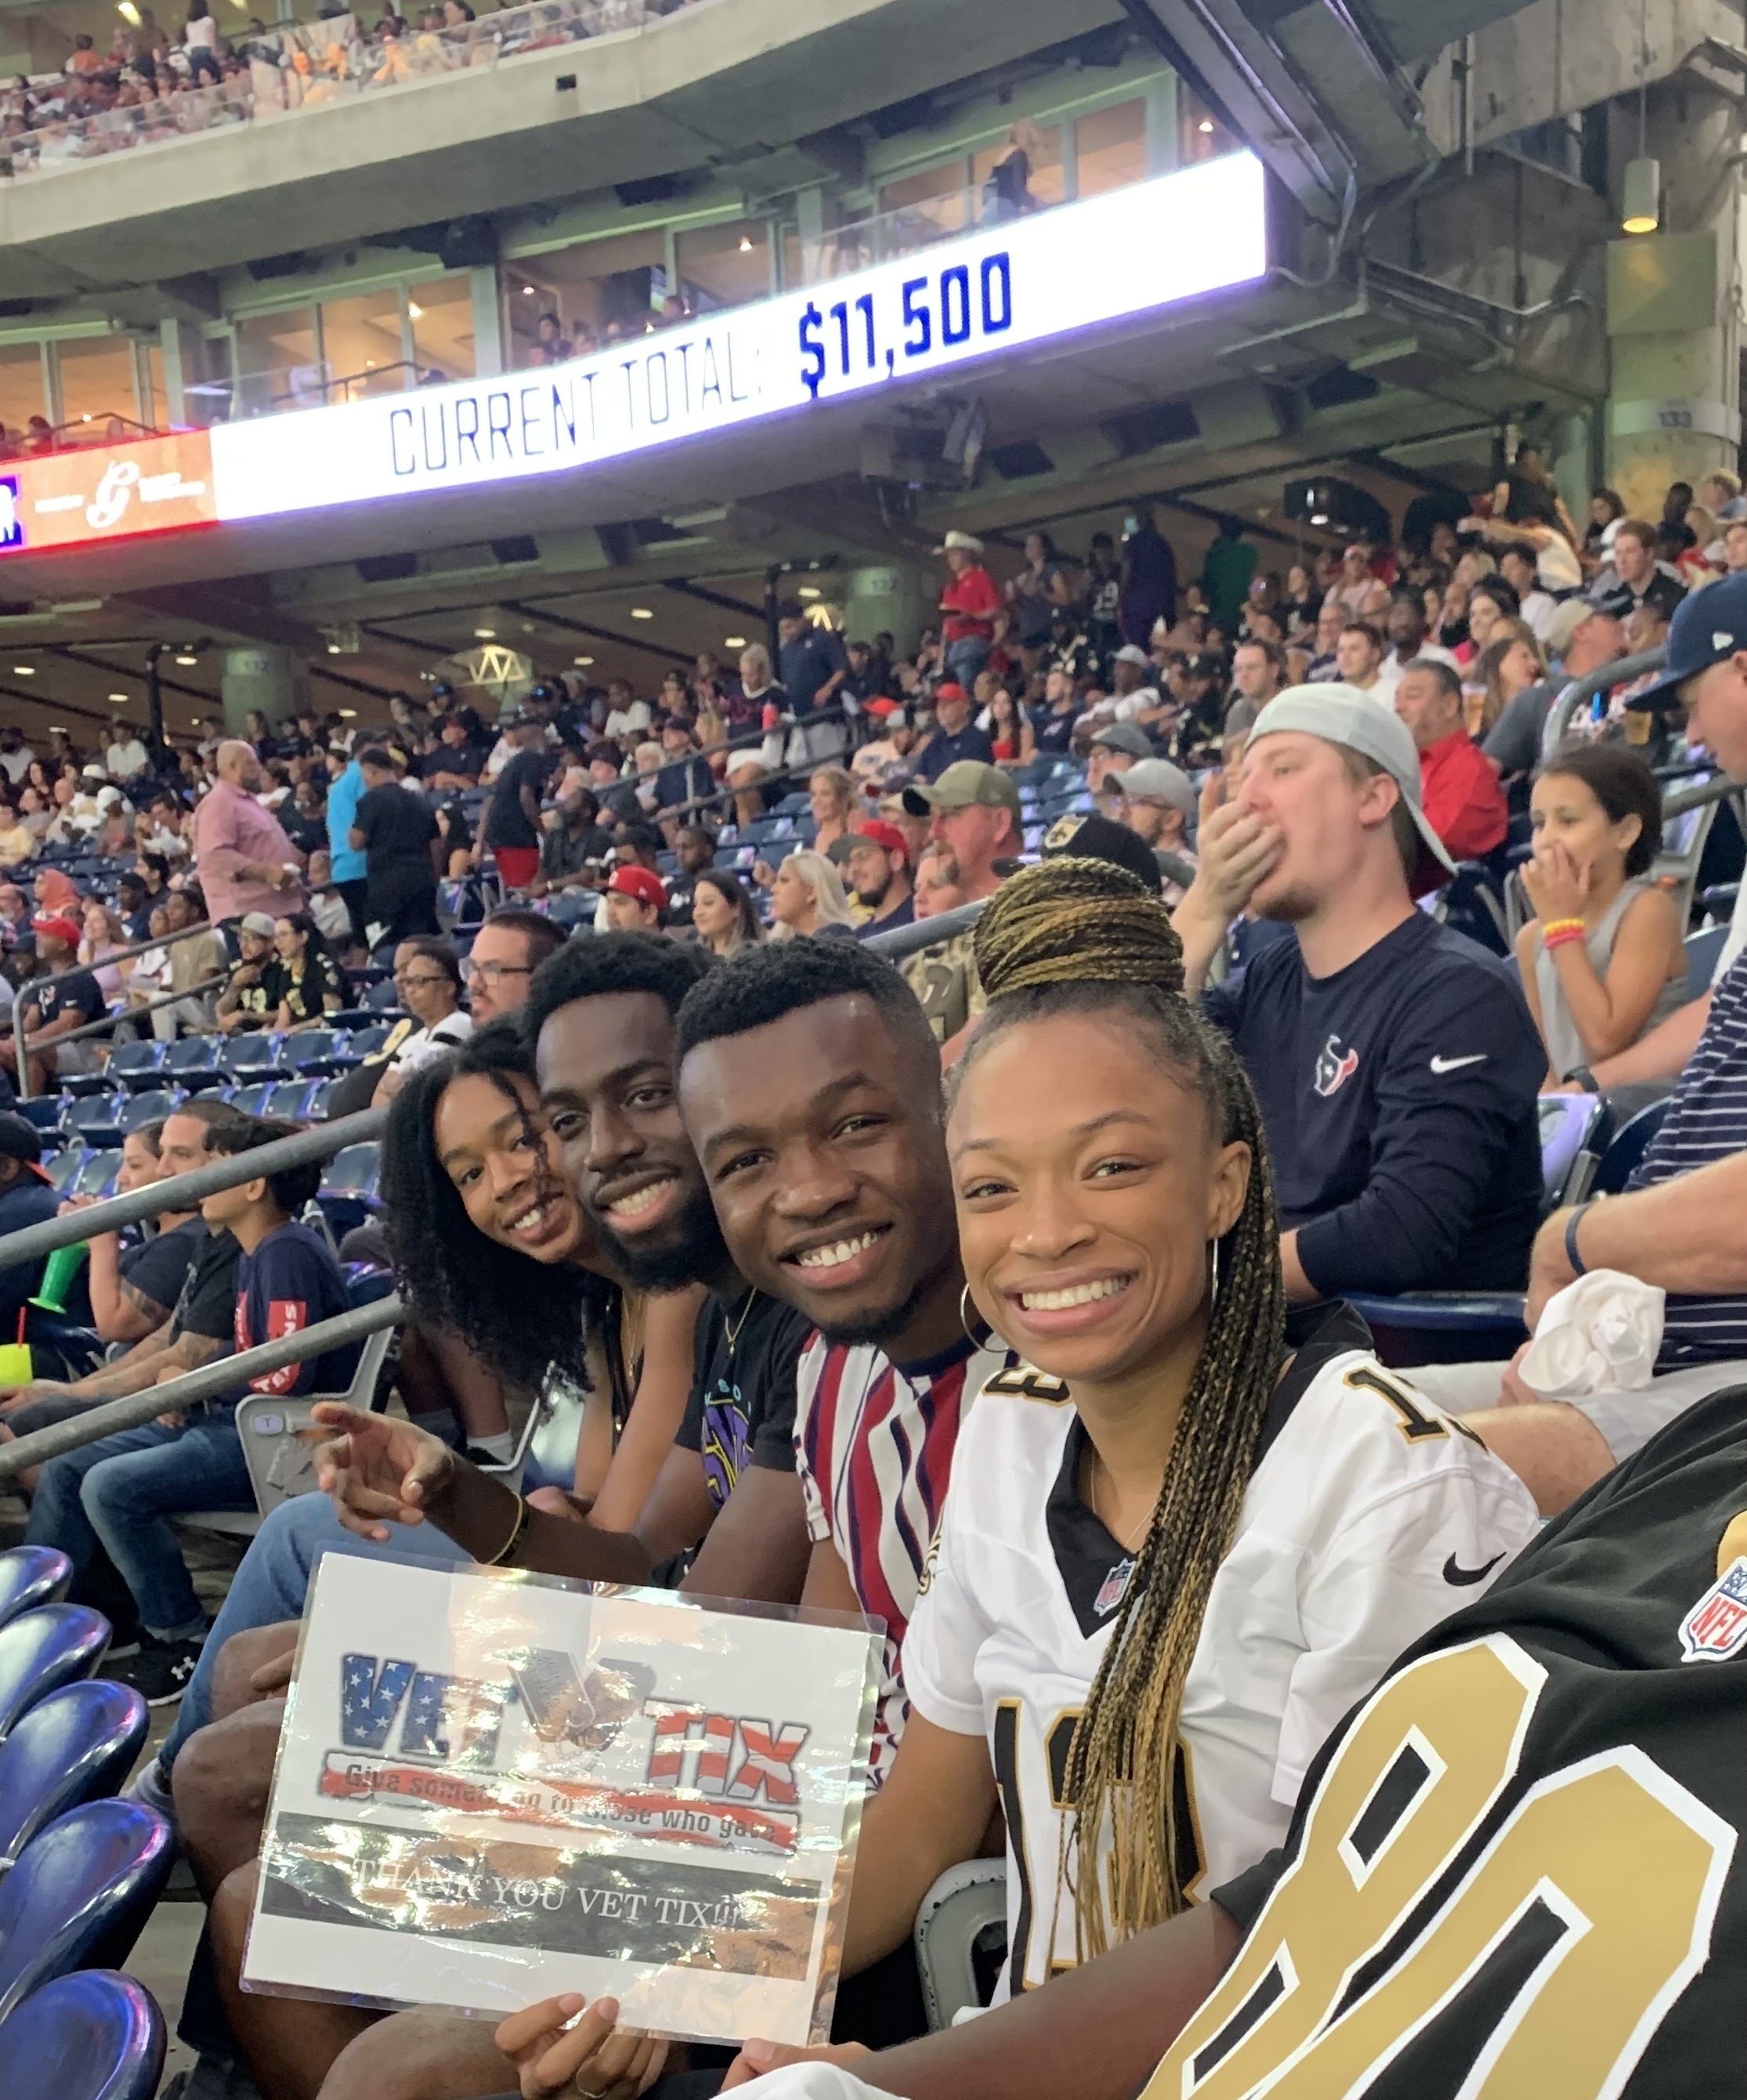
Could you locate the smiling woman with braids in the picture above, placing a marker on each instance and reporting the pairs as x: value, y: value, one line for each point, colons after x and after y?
x: 1187, y: 1532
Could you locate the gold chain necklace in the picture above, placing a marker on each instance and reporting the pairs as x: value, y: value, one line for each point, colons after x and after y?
x: 734, y: 1326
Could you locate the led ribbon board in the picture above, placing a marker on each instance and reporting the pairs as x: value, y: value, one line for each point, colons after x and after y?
x: 1002, y: 288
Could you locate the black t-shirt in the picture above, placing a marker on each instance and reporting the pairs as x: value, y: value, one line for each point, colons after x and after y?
x: 305, y: 990
x: 1529, y: 1840
x: 208, y: 1303
x: 1399, y: 1099
x: 742, y: 1408
x: 397, y: 829
x: 80, y: 993
x: 158, y: 1267
x: 506, y: 821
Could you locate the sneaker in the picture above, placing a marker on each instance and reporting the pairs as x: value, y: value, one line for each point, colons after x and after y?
x: 160, y: 1672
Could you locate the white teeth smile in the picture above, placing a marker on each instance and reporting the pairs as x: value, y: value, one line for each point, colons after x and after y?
x: 531, y: 1221
x: 835, y: 1256
x: 634, y: 1205
x: 1082, y: 1294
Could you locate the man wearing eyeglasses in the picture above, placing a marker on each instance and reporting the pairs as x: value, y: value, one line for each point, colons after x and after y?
x: 506, y: 952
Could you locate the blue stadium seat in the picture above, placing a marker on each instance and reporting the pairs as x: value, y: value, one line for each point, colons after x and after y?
x: 62, y: 1167
x: 95, y: 2035
x: 96, y: 1174
x: 78, y: 1744
x: 96, y: 1120
x: 289, y: 1098
x: 346, y: 1022
x: 257, y: 1058
x: 348, y: 1195
x: 137, y: 1064
x: 1703, y: 949
x: 79, y: 1084
x: 79, y: 1894
x: 56, y: 1644
x: 315, y: 1050
x: 321, y: 1094
x: 151, y: 1106
x: 45, y: 1111
x: 1626, y: 1149
x: 366, y: 1041
x: 1572, y: 1128
x: 30, y: 1576
x: 382, y: 998
x: 193, y: 1062
x: 252, y: 1100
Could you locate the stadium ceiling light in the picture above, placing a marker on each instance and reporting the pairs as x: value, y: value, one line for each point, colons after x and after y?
x: 24, y: 670
x: 334, y: 648
x: 187, y: 662
x: 415, y: 311
x: 582, y: 662
x: 1319, y: 518
x: 734, y: 641
x: 118, y: 699
x: 1640, y: 196
x: 642, y: 612
x: 1206, y: 127
x: 746, y: 243
x: 808, y: 590
x: 348, y: 714
x: 485, y: 634
x: 128, y: 12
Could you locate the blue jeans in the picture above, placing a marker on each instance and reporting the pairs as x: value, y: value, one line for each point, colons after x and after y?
x: 271, y: 1584
x: 118, y: 1494
x: 964, y: 659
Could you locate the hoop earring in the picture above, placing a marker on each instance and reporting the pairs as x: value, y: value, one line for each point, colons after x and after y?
x: 1213, y: 1285
x: 976, y: 1340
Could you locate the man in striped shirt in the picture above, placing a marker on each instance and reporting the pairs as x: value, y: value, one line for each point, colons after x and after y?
x: 810, y: 1086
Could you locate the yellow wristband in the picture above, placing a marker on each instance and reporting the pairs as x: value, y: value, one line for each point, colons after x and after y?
x: 1563, y: 926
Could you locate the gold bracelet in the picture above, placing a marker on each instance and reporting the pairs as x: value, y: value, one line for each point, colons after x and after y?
x: 514, y: 1539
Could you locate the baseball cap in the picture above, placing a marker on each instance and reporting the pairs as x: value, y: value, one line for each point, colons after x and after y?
x: 257, y: 922
x: 1123, y: 736
x: 1709, y: 626
x: 949, y: 689
x: 1157, y: 780
x: 1129, y: 653
x: 873, y: 833
x: 968, y: 784
x: 18, y: 1140
x: 1342, y: 714
x: 742, y: 761
x: 1568, y: 615
x: 1093, y: 837
x: 641, y: 883
x: 94, y: 773
x: 51, y: 922
x: 883, y: 707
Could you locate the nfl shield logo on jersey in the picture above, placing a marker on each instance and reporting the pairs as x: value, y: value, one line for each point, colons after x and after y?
x: 1114, y: 1587
x: 1716, y: 1627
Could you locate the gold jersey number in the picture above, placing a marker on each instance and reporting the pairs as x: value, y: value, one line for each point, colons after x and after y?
x: 1547, y: 1969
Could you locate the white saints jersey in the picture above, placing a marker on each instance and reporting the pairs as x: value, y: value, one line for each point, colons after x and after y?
x: 1368, y: 1518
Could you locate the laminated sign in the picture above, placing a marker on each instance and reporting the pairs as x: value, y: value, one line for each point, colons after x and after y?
x: 492, y: 1788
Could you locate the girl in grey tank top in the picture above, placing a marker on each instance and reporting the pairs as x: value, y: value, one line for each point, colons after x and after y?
x: 1597, y: 814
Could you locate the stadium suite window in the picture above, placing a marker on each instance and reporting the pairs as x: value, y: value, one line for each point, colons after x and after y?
x: 1201, y: 136
x: 724, y: 266
x: 97, y: 380
x: 22, y: 394
x: 1045, y: 182
x: 441, y: 313
x: 595, y: 286
x: 361, y: 344
x: 1109, y: 148
x: 278, y: 366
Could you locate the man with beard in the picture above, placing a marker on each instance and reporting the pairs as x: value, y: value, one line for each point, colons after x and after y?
x: 1395, y: 1063
x: 876, y: 864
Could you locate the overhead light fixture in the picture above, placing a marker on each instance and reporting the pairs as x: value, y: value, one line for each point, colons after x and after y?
x: 24, y: 670
x: 1319, y: 518
x: 86, y: 418
x: 187, y: 662
x: 118, y: 699
x: 734, y: 641
x: 334, y: 648
x: 746, y: 243
x: 808, y: 590
x: 1641, y: 197
x: 485, y: 634
x: 582, y: 662
x: 1205, y: 127
x: 415, y: 311
x: 1641, y: 192
x: 642, y: 612
x: 348, y: 714
x: 528, y: 291
x: 128, y: 12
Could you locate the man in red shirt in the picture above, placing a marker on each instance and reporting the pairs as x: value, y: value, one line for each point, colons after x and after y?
x: 1457, y: 786
x: 967, y: 605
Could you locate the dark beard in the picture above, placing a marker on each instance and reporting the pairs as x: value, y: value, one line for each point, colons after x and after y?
x: 874, y: 898
x: 878, y: 1325
x: 699, y: 1254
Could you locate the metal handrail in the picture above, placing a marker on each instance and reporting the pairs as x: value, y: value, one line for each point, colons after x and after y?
x: 143, y: 1006
x: 183, y: 1192
x: 1572, y: 696
x: 81, y: 970
x: 210, y: 1381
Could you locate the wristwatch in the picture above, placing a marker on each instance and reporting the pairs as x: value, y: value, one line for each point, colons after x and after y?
x: 1585, y: 1078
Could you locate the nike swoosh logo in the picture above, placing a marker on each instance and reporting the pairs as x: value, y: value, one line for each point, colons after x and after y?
x: 1455, y: 1064
x: 1465, y: 1578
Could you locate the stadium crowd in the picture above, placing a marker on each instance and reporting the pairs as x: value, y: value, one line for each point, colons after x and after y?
x: 1230, y: 1128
